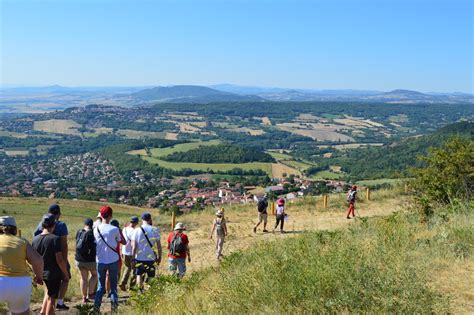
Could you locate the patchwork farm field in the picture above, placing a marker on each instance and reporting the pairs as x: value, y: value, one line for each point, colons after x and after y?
x: 61, y: 126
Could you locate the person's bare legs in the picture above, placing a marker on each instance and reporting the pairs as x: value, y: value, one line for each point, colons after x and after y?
x: 92, y: 282
x: 45, y: 301
x: 84, y: 282
x: 50, y: 305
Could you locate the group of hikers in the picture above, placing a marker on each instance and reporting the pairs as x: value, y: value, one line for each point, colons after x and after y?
x: 102, y: 249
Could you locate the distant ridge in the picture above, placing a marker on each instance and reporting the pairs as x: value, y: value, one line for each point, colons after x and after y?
x: 190, y: 93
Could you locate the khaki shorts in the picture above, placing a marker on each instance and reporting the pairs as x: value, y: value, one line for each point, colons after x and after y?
x: 86, y: 265
x: 262, y: 217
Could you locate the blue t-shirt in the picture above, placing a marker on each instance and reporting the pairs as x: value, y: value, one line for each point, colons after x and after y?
x: 59, y: 230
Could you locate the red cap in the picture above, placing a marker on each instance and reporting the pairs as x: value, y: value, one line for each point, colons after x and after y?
x: 281, y: 202
x: 105, y: 212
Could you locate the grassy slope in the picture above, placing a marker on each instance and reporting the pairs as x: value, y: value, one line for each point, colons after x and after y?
x: 380, y: 265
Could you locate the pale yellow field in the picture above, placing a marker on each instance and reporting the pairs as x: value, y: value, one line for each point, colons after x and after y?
x: 16, y: 152
x: 171, y: 136
x: 315, y: 134
x: 61, y: 126
x: 187, y: 128
x: 278, y: 170
x: 266, y: 121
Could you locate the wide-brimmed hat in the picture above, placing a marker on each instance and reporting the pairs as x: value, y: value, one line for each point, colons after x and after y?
x: 180, y: 226
x: 7, y: 221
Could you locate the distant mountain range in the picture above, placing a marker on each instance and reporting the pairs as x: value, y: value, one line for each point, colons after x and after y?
x: 131, y: 96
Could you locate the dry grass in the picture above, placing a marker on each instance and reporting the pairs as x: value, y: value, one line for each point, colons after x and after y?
x: 266, y: 121
x: 278, y: 170
x: 61, y: 126
x: 307, y: 130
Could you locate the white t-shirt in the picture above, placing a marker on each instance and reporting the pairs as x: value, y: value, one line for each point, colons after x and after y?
x: 127, y: 234
x: 280, y: 210
x: 111, y: 234
x: 145, y: 252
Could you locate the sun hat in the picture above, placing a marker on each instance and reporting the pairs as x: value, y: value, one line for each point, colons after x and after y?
x: 219, y: 213
x: 146, y: 216
x: 281, y: 202
x: 48, y: 220
x: 134, y: 219
x: 54, y: 209
x: 180, y: 226
x: 7, y: 221
x: 105, y: 212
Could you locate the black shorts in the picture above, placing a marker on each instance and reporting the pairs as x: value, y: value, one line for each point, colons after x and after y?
x: 147, y: 267
x: 53, y: 287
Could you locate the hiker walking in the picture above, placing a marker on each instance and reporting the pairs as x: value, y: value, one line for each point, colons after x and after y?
x: 127, y: 255
x: 262, y: 205
x: 15, y: 279
x: 49, y: 246
x: 280, y: 214
x: 178, y: 250
x: 144, y: 258
x: 107, y: 237
x: 220, y: 227
x: 351, y: 198
x: 85, y: 260
x: 61, y: 231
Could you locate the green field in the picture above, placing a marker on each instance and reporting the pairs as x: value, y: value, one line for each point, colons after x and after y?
x: 298, y: 164
x: 325, y: 175
x: 216, y: 167
x: 183, y: 147
x: 280, y: 156
x: 373, y: 182
x: 156, y: 153
x: 28, y: 212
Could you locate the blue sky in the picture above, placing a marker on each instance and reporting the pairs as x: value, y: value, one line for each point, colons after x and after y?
x: 425, y: 45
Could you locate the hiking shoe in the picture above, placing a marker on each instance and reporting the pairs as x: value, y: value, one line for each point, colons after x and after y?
x: 348, y: 217
x: 123, y: 287
x: 255, y: 230
x: 62, y: 307
x: 265, y: 231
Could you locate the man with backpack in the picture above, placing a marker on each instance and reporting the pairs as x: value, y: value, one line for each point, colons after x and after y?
x: 61, y: 231
x: 85, y: 260
x: 144, y: 258
x: 178, y: 250
x: 351, y: 198
x: 262, y: 205
x: 48, y: 245
x: 220, y: 227
x: 107, y: 237
x: 127, y: 255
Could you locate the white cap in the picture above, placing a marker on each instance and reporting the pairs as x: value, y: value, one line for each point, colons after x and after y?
x: 180, y: 226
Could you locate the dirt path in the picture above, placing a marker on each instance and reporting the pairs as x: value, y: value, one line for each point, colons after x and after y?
x: 241, y: 236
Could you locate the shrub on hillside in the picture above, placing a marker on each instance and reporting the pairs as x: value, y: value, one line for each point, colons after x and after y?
x: 448, y: 176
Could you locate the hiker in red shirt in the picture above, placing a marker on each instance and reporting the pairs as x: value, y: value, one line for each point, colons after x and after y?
x: 351, y: 198
x: 178, y: 249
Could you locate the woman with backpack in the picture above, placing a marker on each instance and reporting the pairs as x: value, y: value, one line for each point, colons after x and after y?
x: 351, y: 199
x: 220, y: 227
x: 280, y: 214
x: 85, y: 260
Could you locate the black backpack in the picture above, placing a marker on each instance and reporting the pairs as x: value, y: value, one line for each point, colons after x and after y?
x: 262, y: 205
x: 84, y: 245
x: 177, y: 247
